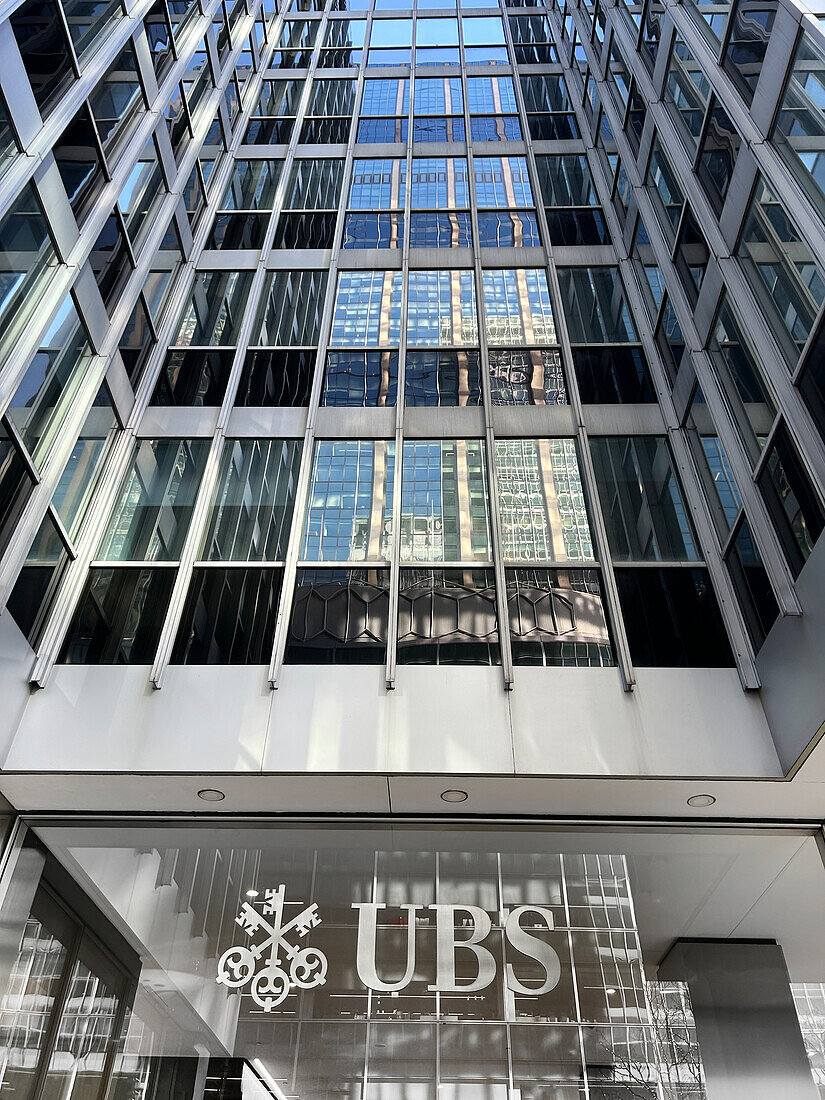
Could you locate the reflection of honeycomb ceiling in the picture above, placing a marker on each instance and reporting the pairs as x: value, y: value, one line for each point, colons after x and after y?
x: 433, y: 611
x: 337, y: 614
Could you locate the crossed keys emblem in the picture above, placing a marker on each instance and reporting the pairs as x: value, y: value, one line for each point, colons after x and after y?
x: 271, y: 984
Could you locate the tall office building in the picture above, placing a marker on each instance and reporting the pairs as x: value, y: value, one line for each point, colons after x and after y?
x: 412, y: 474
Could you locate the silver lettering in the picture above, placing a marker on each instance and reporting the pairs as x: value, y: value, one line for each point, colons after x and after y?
x: 533, y: 948
x: 365, y: 954
x: 447, y: 945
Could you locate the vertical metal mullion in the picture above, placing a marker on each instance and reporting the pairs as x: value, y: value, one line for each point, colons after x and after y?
x: 586, y: 469
x: 307, y: 457
x: 400, y: 400
x: 75, y: 578
x: 208, y: 483
x: 497, y: 546
x: 694, y: 497
x: 574, y: 972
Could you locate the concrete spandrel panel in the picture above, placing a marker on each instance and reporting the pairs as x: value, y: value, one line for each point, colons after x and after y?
x: 329, y: 718
x: 110, y: 718
x: 16, y: 659
x: 570, y: 721
x: 446, y: 719
x: 790, y: 666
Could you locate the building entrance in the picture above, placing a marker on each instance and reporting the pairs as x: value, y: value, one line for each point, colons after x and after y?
x: 274, y: 962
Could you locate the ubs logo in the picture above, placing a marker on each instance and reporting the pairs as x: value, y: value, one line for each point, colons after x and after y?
x: 271, y: 983
x: 305, y: 968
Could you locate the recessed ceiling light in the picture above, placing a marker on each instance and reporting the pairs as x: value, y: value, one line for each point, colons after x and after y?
x: 700, y: 801
x: 251, y: 893
x: 454, y: 796
x: 211, y: 794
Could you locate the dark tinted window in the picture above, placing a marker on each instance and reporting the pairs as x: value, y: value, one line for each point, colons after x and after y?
x: 610, y: 376
x: 672, y: 618
x: 196, y: 377
x: 229, y: 617
x: 119, y: 617
x: 339, y: 616
x: 794, y: 506
x: 276, y: 378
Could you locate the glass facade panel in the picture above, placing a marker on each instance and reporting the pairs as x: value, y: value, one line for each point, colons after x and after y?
x: 595, y: 306
x: 448, y: 617
x: 748, y: 396
x: 119, y: 618
x: 445, y: 378
x: 367, y: 309
x: 799, y: 132
x: 349, y: 511
x: 151, y: 516
x: 229, y: 617
x: 253, y: 501
x: 557, y: 618
x: 26, y: 255
x: 215, y: 309
x: 641, y: 500
x: 556, y: 987
x: 517, y: 307
x: 672, y: 618
x: 502, y: 181
x: 444, y: 511
x: 441, y: 309
x: 361, y: 379
x: 291, y: 307
x: 49, y: 388
x: 339, y: 616
x: 794, y: 505
x: 785, y: 274
x: 541, y: 501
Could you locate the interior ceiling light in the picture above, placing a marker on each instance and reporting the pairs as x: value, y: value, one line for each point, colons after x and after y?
x: 211, y: 794
x: 700, y: 801
x: 454, y: 796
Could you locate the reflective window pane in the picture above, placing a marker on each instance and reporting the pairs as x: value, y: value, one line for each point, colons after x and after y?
x: 595, y: 306
x: 215, y: 309
x: 447, y: 617
x: 641, y: 500
x: 441, y: 308
x: 786, y: 276
x: 502, y: 181
x: 360, y: 379
x: 151, y: 516
x: 517, y: 307
x: 527, y: 376
x: 367, y: 309
x: 51, y: 383
x: 442, y: 378
x: 444, y: 501
x: 541, y: 501
x: 557, y: 617
x: 229, y: 617
x: 377, y: 184
x: 339, y: 616
x: 119, y: 618
x: 349, y: 511
x: 439, y: 183
x: 253, y: 501
x: 291, y: 306
x: 791, y: 500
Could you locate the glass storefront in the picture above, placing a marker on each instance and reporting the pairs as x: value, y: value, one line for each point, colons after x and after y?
x: 151, y: 961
